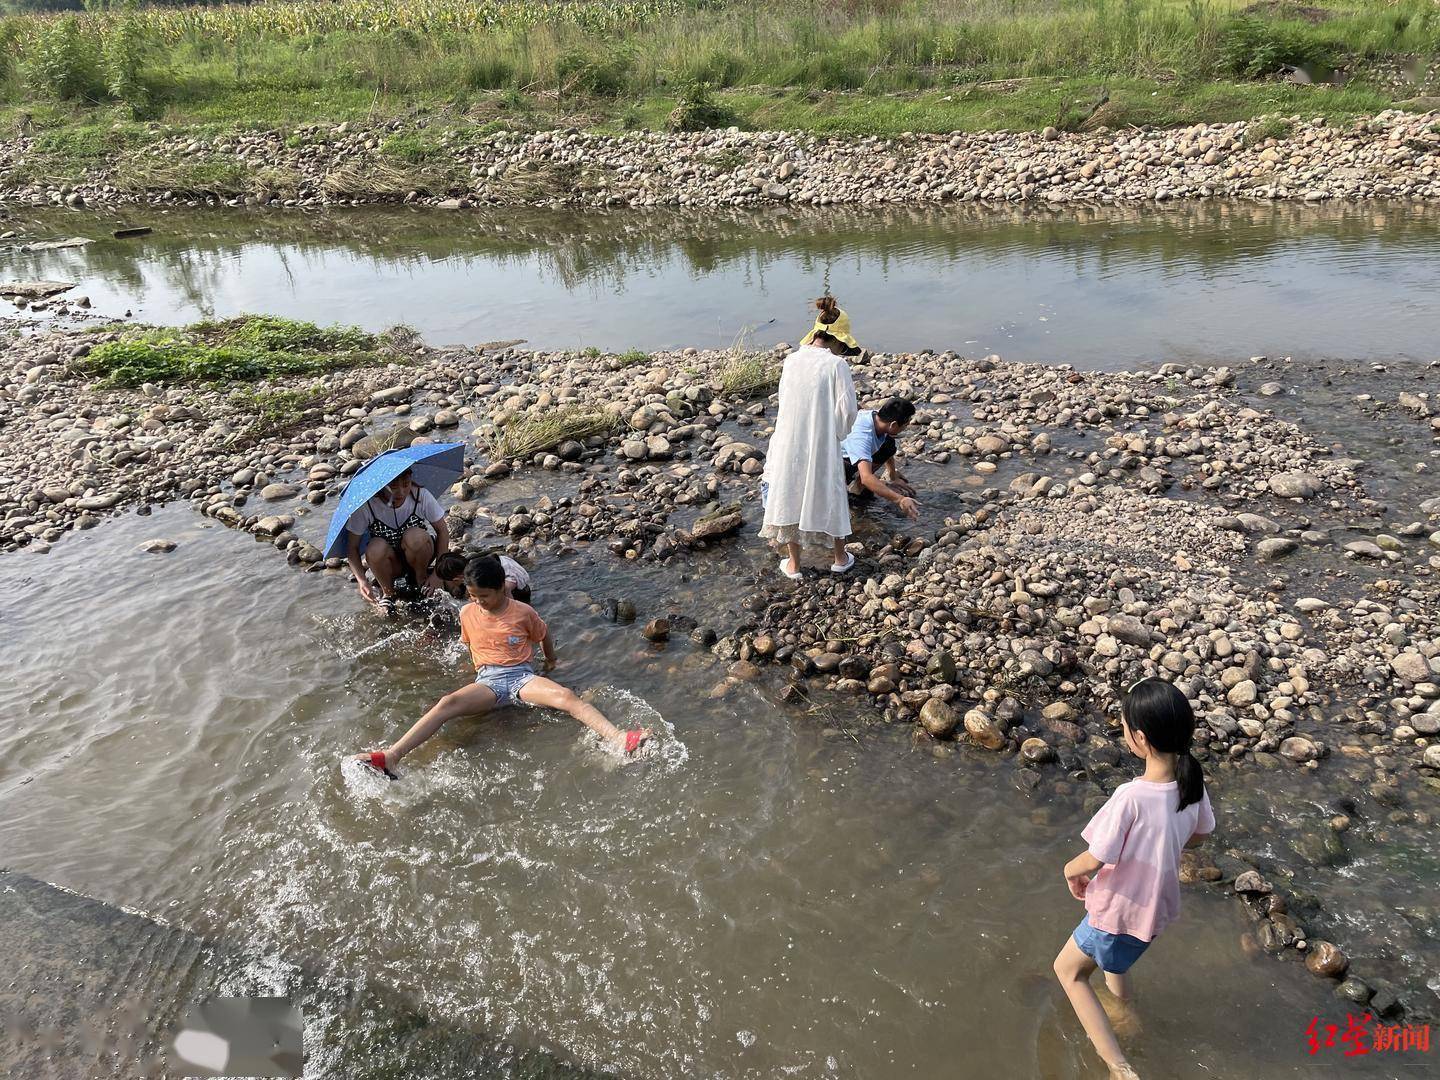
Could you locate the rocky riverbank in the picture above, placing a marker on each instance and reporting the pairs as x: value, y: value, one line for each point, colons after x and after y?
x: 1082, y: 530
x: 1392, y: 155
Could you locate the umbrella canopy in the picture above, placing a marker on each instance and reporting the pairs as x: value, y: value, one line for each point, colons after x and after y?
x: 435, y: 466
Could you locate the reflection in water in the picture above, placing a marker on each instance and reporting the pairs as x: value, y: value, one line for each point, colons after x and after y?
x: 1100, y: 287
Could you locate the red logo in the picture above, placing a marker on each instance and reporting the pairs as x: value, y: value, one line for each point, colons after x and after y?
x: 1357, y: 1038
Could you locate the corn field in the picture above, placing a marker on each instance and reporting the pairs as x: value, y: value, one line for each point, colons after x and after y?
x: 231, y: 23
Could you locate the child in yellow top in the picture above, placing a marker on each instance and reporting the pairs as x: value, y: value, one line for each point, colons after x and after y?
x: 502, y: 634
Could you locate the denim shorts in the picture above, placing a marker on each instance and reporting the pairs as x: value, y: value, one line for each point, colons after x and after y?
x: 1114, y: 953
x: 506, y: 680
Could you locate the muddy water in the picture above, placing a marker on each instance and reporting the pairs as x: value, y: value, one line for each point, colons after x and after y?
x: 769, y: 893
x: 1098, y: 287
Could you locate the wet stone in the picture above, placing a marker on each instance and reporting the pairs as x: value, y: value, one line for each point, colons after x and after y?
x: 938, y: 719
x: 1326, y: 960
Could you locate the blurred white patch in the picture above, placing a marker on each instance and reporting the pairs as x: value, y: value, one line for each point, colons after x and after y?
x: 203, y: 1048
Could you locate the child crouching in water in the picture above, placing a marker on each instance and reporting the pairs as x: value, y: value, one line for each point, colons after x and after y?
x: 1129, y: 877
x: 502, y: 633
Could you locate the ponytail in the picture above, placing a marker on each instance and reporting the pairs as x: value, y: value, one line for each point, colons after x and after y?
x: 1160, y: 712
x: 829, y: 309
x: 1190, y: 780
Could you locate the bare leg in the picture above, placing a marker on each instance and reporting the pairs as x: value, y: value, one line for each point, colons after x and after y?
x: 1073, y: 968
x: 792, y: 550
x: 419, y: 547
x: 551, y: 695
x: 467, y: 701
x: 1117, y: 985
x: 1119, y: 1007
x: 384, y: 564
x: 840, y: 553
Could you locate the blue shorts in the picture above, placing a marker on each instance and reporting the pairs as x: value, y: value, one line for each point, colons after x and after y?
x: 505, y: 680
x: 1114, y: 953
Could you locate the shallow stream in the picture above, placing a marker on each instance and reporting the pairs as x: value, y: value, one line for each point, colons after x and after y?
x: 1099, y: 287
x: 771, y: 892
x: 765, y: 895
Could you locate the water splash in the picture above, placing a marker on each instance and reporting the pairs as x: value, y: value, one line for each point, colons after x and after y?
x: 626, y: 710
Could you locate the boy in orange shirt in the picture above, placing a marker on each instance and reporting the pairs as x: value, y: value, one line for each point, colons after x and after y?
x: 502, y: 634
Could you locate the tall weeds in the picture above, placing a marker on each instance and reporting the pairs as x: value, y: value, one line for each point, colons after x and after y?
x: 607, y: 50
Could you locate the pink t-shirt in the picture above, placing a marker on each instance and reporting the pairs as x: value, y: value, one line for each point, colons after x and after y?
x: 1139, y: 837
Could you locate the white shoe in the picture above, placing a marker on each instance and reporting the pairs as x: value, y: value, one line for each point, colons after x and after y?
x: 785, y: 569
x: 842, y: 568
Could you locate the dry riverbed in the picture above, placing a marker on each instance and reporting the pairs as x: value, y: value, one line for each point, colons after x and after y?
x: 1081, y: 530
x: 1392, y: 155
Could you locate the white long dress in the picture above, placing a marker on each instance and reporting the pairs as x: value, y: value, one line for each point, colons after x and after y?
x: 804, y: 472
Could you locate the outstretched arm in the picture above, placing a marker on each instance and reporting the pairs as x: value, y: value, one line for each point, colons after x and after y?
x: 872, y: 483
x: 357, y: 567
x: 897, y: 478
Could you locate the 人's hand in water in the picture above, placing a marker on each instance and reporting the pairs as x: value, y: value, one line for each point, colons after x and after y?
x: 548, y: 665
x: 365, y: 590
x: 910, y: 508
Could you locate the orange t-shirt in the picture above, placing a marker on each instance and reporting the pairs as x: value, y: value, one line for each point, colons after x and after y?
x: 506, y: 637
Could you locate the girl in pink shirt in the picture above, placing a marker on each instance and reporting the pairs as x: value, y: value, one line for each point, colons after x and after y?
x: 1129, y: 878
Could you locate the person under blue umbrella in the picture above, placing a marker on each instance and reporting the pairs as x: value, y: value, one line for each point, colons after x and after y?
x: 400, y: 532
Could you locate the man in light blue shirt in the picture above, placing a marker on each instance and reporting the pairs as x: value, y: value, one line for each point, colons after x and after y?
x: 871, y: 444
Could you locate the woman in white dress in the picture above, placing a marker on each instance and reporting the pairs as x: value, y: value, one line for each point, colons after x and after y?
x: 804, y: 479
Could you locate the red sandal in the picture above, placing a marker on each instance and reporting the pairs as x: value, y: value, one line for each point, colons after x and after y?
x: 376, y: 762
x: 633, y: 739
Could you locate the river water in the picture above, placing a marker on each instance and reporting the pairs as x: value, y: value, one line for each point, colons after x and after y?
x: 1102, y: 288
x: 771, y: 892
x: 764, y: 896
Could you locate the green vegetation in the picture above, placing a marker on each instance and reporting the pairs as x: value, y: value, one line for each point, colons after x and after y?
x: 1272, y: 127
x: 857, y: 66
x: 630, y: 358
x: 697, y: 110
x: 243, y: 349
x: 272, y: 411
x: 750, y: 376
x: 530, y: 435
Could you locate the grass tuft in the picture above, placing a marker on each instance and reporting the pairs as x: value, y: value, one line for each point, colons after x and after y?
x: 531, y: 435
x: 630, y: 358
x: 1267, y: 127
x: 750, y: 376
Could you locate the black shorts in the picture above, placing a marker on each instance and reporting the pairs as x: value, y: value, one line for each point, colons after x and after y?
x: 882, y: 455
x: 523, y: 595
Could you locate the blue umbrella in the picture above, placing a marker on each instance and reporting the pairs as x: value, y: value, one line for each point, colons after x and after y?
x: 435, y: 466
